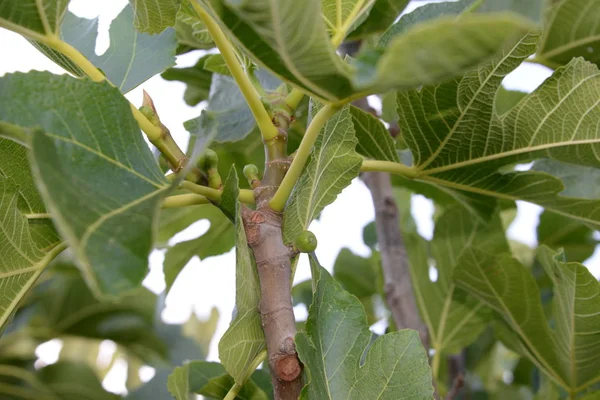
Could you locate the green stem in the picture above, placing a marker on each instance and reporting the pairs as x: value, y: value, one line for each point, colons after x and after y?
x: 435, y: 365
x: 14, y: 133
x: 262, y: 117
x: 278, y: 201
x: 473, y: 7
x: 233, y: 392
x: 184, y: 200
x: 245, y: 195
x: 294, y: 98
x: 388, y: 166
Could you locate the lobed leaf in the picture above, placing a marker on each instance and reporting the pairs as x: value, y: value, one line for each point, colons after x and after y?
x: 95, y: 173
x: 567, y: 353
x: 374, y: 140
x: 332, y: 166
x: 334, y: 341
x: 459, y: 141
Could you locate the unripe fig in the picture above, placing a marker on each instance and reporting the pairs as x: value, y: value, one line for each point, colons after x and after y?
x: 306, y: 242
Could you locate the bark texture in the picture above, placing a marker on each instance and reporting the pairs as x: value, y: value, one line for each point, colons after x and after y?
x: 397, y: 281
x: 263, y: 228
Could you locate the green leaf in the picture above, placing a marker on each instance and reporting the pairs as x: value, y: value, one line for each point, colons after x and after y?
x: 71, y: 381
x: 269, y: 32
x: 197, y: 79
x: 459, y: 141
x: 435, y: 51
x: 507, y: 99
x: 216, y: 63
x: 154, y: 16
x: 332, y: 166
x: 505, y: 285
x: 227, y: 109
x: 355, y: 273
x: 381, y: 15
x: 422, y: 14
x: 454, y: 319
x: 191, y: 31
x: 219, y: 239
x: 333, y: 344
x: 571, y: 30
x: 125, y: 62
x: 576, y: 306
x: 342, y: 15
x: 210, y: 380
x: 374, y: 140
x: 95, y: 172
x: 33, y: 16
x: 244, y: 339
x: 559, y: 232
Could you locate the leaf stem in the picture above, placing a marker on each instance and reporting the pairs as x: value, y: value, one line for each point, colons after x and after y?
x: 245, y: 196
x: 262, y: 117
x: 233, y: 392
x: 278, y: 201
x: 389, y: 166
x: 184, y: 200
x: 435, y: 364
x: 294, y: 98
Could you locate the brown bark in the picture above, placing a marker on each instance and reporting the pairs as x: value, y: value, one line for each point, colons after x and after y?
x: 273, y: 261
x: 397, y: 281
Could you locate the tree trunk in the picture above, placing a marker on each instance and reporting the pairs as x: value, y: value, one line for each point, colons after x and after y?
x: 263, y: 228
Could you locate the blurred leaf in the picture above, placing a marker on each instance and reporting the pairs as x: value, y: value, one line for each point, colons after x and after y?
x: 332, y: 166
x: 219, y: 239
x: 370, y: 234
x: 70, y: 381
x: 578, y: 180
x: 210, y: 380
x: 381, y: 15
x: 374, y: 140
x: 454, y: 319
x: 244, y: 339
x: 507, y: 99
x: 559, y: 232
x: 505, y: 285
x: 202, y: 331
x: 336, y: 337
x: 154, y: 16
x: 94, y: 171
x: 228, y: 109
x: 197, y: 79
x: 355, y: 274
x: 341, y: 16
x: 125, y: 62
x: 571, y: 30
x: 216, y: 63
x: 191, y: 31
x: 302, y: 293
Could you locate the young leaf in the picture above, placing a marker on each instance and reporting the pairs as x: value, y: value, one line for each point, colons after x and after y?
x: 459, y: 141
x: 332, y: 166
x: 509, y: 288
x: 125, y: 62
x: 454, y: 319
x: 374, y: 140
x: 244, y: 339
x: 191, y: 31
x: 219, y: 239
x: 154, y: 16
x: 571, y: 31
x: 94, y: 170
x: 197, y: 79
x: 33, y: 18
x: 335, y: 339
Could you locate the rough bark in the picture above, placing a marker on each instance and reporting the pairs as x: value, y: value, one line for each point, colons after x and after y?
x: 273, y: 261
x: 397, y: 281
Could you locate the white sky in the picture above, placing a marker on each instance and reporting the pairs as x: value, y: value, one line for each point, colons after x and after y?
x: 204, y: 284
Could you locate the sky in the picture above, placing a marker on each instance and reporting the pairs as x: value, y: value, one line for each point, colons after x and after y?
x: 210, y: 283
